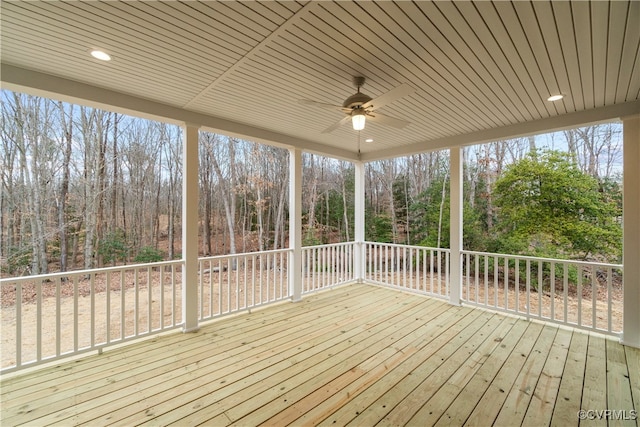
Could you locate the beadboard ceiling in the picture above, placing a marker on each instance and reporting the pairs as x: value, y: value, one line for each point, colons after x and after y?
x: 480, y: 70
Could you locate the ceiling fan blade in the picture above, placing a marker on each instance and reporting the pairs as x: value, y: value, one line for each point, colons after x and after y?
x: 387, y: 98
x: 337, y: 125
x: 320, y: 104
x: 386, y: 120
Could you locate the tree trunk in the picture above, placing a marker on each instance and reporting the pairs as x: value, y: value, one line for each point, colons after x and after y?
x: 67, y: 128
x: 312, y: 194
x: 101, y: 184
x: 228, y: 185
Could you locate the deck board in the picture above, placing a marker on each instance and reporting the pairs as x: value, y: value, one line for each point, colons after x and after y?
x: 356, y: 355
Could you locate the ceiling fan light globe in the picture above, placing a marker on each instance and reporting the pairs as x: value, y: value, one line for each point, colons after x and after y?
x: 358, y: 119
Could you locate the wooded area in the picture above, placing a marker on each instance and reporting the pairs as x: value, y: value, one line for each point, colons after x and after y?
x: 84, y: 188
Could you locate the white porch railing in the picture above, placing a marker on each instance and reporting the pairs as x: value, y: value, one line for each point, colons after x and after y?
x: 53, y: 316
x: 411, y: 268
x: 231, y: 283
x: 325, y: 266
x: 48, y: 317
x: 43, y: 319
x: 580, y: 294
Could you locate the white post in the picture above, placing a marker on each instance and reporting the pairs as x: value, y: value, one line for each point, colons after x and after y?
x: 295, y: 224
x: 190, y: 227
x: 455, y: 231
x: 359, y: 221
x: 631, y: 232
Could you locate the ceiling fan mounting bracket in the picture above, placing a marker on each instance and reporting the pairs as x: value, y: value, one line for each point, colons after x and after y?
x: 358, y: 81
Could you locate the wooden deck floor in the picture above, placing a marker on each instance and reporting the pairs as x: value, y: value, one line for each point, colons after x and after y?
x: 358, y: 355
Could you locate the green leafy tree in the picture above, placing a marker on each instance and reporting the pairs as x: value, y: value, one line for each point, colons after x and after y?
x: 379, y: 228
x: 114, y: 247
x: 548, y: 207
x: 430, y: 219
x: 149, y: 254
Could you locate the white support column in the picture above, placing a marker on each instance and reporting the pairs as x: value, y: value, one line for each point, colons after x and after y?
x: 295, y: 224
x: 631, y: 232
x: 359, y: 221
x: 190, y: 196
x: 455, y: 232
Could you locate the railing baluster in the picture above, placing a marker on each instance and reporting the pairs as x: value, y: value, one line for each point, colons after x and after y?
x: 136, y: 310
x: 594, y: 297
x: 39, y: 320
x: 220, y: 287
x: 19, y: 324
x: 108, y: 310
x: 580, y: 273
x: 173, y: 295
x: 75, y: 314
x: 506, y: 283
x: 93, y: 310
x: 229, y: 269
x: 282, y: 294
x: 552, y: 280
x: 122, y: 306
x: 440, y: 282
x: 237, y: 285
x: 486, y: 280
x: 423, y: 267
x: 334, y: 276
x: 317, y: 260
x: 149, y: 301
x: 431, y: 271
x: 516, y: 285
x: 161, y: 322
x: 609, y: 297
x: 376, y: 262
x: 253, y: 280
x: 476, y: 283
x: 496, y: 281
x: 528, y: 288
x: 58, y: 317
x: 202, y: 271
x: 404, y: 268
x: 565, y: 286
x: 246, y: 276
x: 540, y: 287
x: 412, y: 279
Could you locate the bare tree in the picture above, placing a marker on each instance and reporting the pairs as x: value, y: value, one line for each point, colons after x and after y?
x: 66, y: 121
x: 226, y: 175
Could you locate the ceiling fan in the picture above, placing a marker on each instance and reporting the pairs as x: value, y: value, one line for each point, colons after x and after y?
x: 360, y: 107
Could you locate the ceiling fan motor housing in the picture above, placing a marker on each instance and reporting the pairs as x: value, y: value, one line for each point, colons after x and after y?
x: 356, y: 100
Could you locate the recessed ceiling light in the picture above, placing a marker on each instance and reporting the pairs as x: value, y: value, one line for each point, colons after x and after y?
x: 555, y: 97
x: 102, y: 56
x: 368, y: 140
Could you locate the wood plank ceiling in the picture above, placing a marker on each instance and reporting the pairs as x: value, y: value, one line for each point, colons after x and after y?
x: 480, y: 70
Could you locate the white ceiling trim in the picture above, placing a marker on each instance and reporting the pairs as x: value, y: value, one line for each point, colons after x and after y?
x: 546, y: 125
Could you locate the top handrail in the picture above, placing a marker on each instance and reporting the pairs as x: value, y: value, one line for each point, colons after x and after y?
x: 401, y: 245
x: 49, y: 276
x: 541, y: 259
